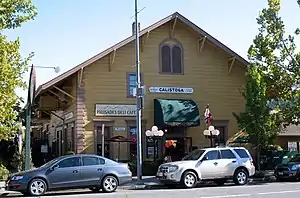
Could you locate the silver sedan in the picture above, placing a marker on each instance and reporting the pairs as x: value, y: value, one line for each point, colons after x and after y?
x: 71, y: 171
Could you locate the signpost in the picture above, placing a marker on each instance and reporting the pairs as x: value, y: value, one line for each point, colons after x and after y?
x: 30, y: 99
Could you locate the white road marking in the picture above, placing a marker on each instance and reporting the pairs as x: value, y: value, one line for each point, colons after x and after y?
x: 248, y: 195
x: 228, y: 196
x: 278, y: 192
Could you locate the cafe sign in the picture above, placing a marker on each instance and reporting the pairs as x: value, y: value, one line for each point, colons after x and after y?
x: 115, y: 110
x: 175, y: 90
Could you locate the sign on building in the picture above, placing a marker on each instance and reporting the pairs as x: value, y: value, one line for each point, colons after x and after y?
x: 115, y: 110
x: 175, y: 90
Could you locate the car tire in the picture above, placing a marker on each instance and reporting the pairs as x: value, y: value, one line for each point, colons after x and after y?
x: 189, y: 179
x: 220, y: 182
x: 37, y: 187
x: 109, y: 184
x: 240, y: 177
x: 95, y: 189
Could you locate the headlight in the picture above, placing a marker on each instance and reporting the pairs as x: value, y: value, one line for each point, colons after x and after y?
x: 295, y: 167
x: 173, y: 168
x: 17, y: 178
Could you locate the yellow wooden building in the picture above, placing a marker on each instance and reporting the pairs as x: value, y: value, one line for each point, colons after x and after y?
x: 183, y: 69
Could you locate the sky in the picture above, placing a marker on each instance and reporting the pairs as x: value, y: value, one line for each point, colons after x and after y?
x: 67, y: 32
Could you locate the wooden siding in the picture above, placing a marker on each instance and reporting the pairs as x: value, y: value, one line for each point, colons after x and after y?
x: 206, y: 72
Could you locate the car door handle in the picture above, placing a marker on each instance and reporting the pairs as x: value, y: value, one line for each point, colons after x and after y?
x: 234, y: 161
x: 99, y: 169
x: 216, y: 163
x: 75, y: 171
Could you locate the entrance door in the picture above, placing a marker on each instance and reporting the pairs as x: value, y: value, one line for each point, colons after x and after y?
x: 100, y: 143
x: 209, y: 168
x: 182, y: 147
x: 66, y: 173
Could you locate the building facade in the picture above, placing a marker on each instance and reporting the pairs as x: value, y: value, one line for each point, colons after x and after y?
x: 183, y: 69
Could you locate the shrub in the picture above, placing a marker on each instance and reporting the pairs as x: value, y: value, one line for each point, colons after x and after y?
x: 4, y: 173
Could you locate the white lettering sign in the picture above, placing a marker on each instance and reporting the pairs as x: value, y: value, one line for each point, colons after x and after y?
x: 69, y: 116
x: 115, y: 110
x: 176, y: 90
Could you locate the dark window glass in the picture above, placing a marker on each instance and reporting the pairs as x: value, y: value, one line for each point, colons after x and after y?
x: 242, y: 153
x: 220, y: 139
x: 176, y: 60
x: 212, y: 155
x: 227, y: 154
x: 194, y: 155
x: 166, y: 59
x: 132, y: 83
x: 70, y: 162
x: 92, y: 161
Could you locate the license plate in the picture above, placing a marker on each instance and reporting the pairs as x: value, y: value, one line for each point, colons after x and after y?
x: 280, y: 173
x: 159, y: 174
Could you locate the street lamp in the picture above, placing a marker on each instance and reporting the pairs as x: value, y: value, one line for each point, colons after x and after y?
x: 211, y: 133
x: 30, y: 101
x: 154, y: 133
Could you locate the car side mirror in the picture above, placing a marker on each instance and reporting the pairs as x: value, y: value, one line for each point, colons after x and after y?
x: 54, y: 167
x: 204, y: 158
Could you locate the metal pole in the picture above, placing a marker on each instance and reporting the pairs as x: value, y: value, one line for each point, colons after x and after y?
x: 102, y: 141
x: 27, y: 138
x: 138, y: 98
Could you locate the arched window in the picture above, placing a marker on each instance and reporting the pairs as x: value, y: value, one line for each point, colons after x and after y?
x: 171, y: 61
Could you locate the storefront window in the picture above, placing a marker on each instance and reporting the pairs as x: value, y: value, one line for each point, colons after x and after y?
x: 221, y: 140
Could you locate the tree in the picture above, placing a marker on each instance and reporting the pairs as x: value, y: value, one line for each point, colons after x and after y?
x: 260, y: 125
x: 273, y: 52
x: 13, y: 13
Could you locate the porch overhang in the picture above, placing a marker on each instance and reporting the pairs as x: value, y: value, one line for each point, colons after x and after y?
x: 176, y: 112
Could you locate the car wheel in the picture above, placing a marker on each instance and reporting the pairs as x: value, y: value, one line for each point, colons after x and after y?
x: 95, y: 189
x: 189, y: 180
x: 37, y: 187
x: 109, y: 184
x: 220, y: 182
x: 240, y: 177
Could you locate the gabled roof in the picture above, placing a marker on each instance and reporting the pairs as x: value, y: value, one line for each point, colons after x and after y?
x: 132, y: 38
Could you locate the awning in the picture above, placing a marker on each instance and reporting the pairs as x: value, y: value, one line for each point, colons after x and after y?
x: 175, y: 112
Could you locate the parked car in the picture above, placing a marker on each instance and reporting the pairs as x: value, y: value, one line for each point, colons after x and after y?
x: 210, y: 164
x: 71, y: 171
x: 289, y: 170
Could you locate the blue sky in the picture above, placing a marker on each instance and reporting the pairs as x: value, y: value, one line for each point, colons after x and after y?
x: 68, y: 32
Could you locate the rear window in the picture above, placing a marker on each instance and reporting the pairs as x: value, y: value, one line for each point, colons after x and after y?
x: 242, y: 153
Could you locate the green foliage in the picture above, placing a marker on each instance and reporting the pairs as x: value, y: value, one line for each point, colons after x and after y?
x: 4, y: 173
x: 13, y: 13
x: 12, y: 66
x: 261, y: 126
x: 274, y: 53
x: 18, y: 161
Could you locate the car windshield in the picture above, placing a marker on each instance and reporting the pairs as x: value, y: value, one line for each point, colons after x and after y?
x: 295, y: 159
x: 50, y: 163
x: 194, y: 155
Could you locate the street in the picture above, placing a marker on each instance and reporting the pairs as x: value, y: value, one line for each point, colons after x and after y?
x: 262, y: 190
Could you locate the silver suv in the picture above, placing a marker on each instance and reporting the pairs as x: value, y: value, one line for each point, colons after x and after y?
x: 210, y: 164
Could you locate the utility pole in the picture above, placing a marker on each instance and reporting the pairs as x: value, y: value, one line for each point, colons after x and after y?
x: 139, y: 98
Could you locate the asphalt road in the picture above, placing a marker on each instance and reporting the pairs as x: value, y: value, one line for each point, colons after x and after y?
x: 266, y: 190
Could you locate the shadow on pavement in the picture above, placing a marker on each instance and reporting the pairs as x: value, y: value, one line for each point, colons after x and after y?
x: 201, y: 185
x: 59, y: 193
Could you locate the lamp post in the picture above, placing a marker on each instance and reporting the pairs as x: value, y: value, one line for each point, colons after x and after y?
x: 211, y: 133
x: 28, y: 107
x: 154, y: 133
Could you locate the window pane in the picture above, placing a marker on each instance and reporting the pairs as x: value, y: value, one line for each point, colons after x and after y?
x: 90, y: 161
x: 165, y: 59
x: 70, y: 162
x: 242, y: 153
x: 227, y: 154
x: 212, y: 155
x: 132, y: 132
x: 176, y: 60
